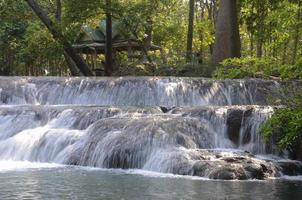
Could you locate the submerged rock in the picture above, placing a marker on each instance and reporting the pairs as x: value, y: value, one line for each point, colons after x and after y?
x: 240, y: 166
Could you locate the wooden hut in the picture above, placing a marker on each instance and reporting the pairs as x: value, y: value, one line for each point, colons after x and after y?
x: 91, y: 42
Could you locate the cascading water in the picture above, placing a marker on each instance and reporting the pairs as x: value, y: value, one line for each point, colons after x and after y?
x: 172, y: 125
x: 143, y: 91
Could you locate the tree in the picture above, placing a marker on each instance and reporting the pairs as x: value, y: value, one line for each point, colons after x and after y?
x: 57, y: 34
x: 71, y: 64
x: 108, y: 52
x: 190, y: 30
x: 297, y: 32
x: 59, y: 10
x: 261, y: 10
x: 269, y: 28
x: 227, y: 41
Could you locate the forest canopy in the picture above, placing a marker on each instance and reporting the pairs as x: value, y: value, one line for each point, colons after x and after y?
x: 270, y: 36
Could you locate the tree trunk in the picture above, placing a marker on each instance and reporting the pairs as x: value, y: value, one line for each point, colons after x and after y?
x: 201, y: 36
x: 70, y: 63
x: 58, y: 36
x: 251, y: 45
x: 108, y: 51
x: 260, y: 24
x: 190, y: 31
x: 284, y: 55
x: 259, y: 48
x: 211, y: 6
x: 59, y: 10
x: 297, y: 35
x: 148, y: 32
x: 227, y: 38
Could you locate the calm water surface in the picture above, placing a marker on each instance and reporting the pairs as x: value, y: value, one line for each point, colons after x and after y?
x: 61, y: 182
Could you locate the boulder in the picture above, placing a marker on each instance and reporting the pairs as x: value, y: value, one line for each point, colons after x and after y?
x: 228, y: 172
x: 290, y: 168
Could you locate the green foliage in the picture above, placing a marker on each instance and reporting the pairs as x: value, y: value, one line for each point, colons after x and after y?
x: 284, y: 128
x: 289, y: 72
x: 272, y: 26
x: 187, y: 70
x: 251, y: 67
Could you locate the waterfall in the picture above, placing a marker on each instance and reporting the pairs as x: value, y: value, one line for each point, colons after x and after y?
x: 130, y: 91
x: 171, y: 125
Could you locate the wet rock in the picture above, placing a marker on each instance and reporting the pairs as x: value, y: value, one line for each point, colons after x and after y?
x: 228, y: 172
x: 234, y: 120
x: 180, y: 140
x: 218, y: 156
x: 4, y: 97
x: 240, y: 166
x: 167, y: 109
x: 233, y: 159
x: 249, y: 154
x: 291, y: 168
x: 201, y: 168
x: 296, y: 152
x: 164, y: 109
x: 265, y: 169
x: 255, y: 171
x: 299, y: 153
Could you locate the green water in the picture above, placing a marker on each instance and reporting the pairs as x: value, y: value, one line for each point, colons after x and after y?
x: 81, y: 183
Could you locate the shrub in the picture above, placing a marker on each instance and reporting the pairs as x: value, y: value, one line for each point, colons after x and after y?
x: 251, y: 67
x: 284, y: 128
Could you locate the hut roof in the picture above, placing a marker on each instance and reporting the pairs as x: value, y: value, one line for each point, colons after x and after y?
x: 92, y: 40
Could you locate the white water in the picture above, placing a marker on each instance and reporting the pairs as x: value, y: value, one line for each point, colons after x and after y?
x: 9, y: 165
x: 130, y: 91
x: 51, y: 120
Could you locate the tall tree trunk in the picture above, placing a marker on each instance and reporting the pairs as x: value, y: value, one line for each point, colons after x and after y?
x: 251, y: 45
x: 70, y: 63
x: 148, y: 32
x: 108, y: 51
x: 190, y: 31
x: 209, y: 6
x: 259, y: 48
x: 297, y: 31
x: 227, y: 38
x: 59, y: 10
x: 148, y: 42
x: 201, y: 36
x: 260, y: 24
x: 283, y: 61
x: 58, y: 36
